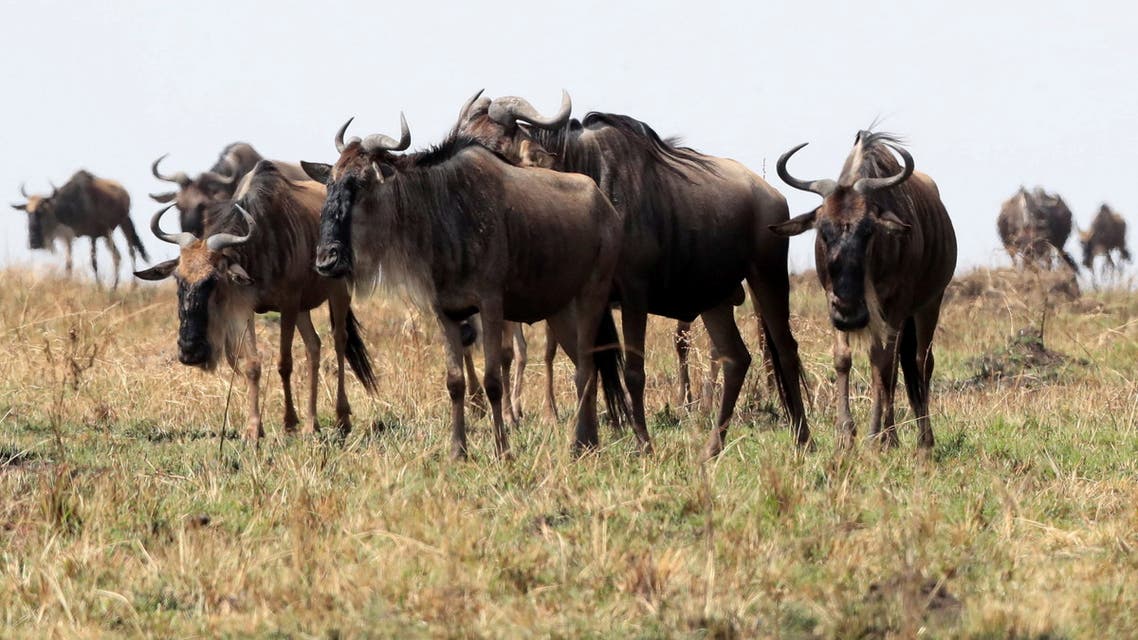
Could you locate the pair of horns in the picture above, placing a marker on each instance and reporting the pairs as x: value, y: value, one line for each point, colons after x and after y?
x: 510, y: 110
x: 376, y: 141
x: 825, y: 187
x: 183, y: 180
x: 216, y: 242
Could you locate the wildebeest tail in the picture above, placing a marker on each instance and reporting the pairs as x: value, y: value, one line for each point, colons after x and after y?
x: 907, y: 354
x: 358, y: 357
x: 609, y: 360
x: 132, y: 238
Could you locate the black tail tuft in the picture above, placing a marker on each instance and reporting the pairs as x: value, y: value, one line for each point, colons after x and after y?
x: 609, y: 360
x: 132, y: 238
x: 907, y: 354
x: 468, y: 333
x: 358, y: 357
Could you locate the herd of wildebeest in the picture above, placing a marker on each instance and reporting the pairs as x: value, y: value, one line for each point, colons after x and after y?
x: 516, y: 217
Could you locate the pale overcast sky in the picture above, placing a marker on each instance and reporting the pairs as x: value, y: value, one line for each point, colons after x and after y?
x: 989, y: 94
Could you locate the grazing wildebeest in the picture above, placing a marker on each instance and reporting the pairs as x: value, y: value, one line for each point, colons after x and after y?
x: 1033, y: 225
x: 84, y: 206
x: 696, y: 226
x: 885, y: 250
x: 460, y: 232
x: 225, y: 277
x: 195, y: 195
x: 1107, y: 234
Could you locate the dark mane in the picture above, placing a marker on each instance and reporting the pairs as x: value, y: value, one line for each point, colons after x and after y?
x: 440, y: 153
x: 666, y: 152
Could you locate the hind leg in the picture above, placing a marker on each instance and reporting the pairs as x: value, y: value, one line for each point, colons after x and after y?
x: 492, y: 349
x: 95, y: 263
x: 771, y: 288
x: 634, y: 321
x: 312, y: 354
x: 67, y: 256
x: 521, y: 352
x: 925, y: 323
x: 550, y: 356
x: 682, y: 341
x: 731, y: 350
x: 284, y: 368
x: 116, y: 260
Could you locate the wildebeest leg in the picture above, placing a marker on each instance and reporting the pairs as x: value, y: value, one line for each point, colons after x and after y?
x: 507, y: 366
x: 94, y: 262
x: 564, y: 330
x: 550, y: 356
x: 768, y: 358
x: 634, y: 322
x: 492, y: 326
x: 284, y: 368
x: 67, y: 254
x: 925, y: 324
x: 477, y: 397
x: 843, y: 362
x: 682, y: 341
x: 340, y: 308
x: 521, y: 349
x: 252, y: 357
x: 730, y: 348
x: 312, y: 353
x: 456, y: 383
x: 116, y: 260
x: 771, y: 286
x: 883, y: 362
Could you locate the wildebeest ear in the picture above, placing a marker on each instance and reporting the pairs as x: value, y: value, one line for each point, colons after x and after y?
x: 317, y: 171
x: 164, y: 197
x: 238, y: 275
x: 891, y: 223
x: 20, y: 207
x: 383, y: 171
x: 796, y: 225
x: 159, y: 271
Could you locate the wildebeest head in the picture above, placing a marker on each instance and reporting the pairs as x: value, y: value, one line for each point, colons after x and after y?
x: 42, y: 222
x: 502, y: 125
x: 208, y: 278
x: 362, y: 164
x: 852, y: 212
x: 194, y: 194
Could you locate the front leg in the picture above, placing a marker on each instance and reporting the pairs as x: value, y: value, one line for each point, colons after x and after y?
x: 312, y: 351
x: 456, y: 383
x: 883, y: 360
x: 843, y: 362
x: 284, y: 368
x: 95, y: 262
x: 492, y: 329
x: 67, y: 255
x: 252, y: 360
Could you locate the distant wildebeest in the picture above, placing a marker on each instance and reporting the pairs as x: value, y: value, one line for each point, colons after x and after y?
x: 696, y: 226
x: 885, y: 250
x: 1033, y: 225
x: 460, y: 232
x: 84, y: 206
x: 1106, y: 235
x: 225, y: 276
x: 195, y: 195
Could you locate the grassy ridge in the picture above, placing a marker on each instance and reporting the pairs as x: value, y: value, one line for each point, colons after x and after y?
x: 129, y: 509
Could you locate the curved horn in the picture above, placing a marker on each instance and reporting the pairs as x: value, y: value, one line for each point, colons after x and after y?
x: 340, y: 146
x: 865, y: 185
x: 180, y: 178
x: 182, y: 239
x: 509, y: 110
x: 219, y: 241
x: 380, y: 142
x: 218, y: 177
x: 467, y: 105
x: 24, y: 190
x: 821, y: 187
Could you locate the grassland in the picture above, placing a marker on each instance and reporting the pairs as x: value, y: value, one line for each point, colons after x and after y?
x: 129, y: 508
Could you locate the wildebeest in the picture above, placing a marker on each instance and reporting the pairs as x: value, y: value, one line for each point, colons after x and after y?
x: 1033, y: 225
x: 696, y: 226
x: 256, y: 255
x: 195, y: 195
x: 460, y: 232
x: 84, y: 206
x: 884, y: 250
x: 1107, y: 234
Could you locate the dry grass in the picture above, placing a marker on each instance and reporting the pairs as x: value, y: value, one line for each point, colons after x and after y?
x: 125, y: 512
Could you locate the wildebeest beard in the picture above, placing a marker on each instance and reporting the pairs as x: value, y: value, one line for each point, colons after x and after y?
x: 194, y: 348
x: 334, y: 252
x: 35, y: 231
